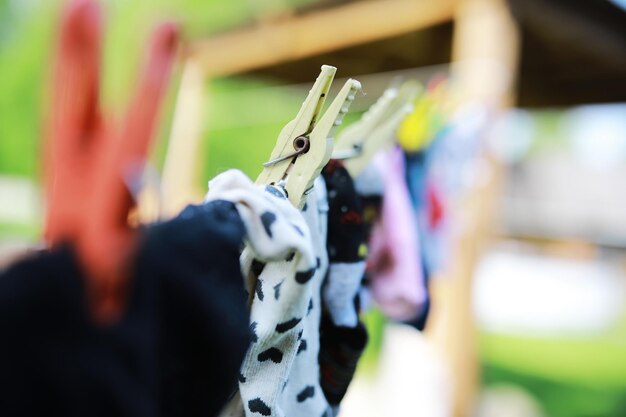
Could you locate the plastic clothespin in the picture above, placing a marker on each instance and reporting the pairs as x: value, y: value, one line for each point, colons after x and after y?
x: 304, y: 145
x: 351, y: 140
x: 420, y: 128
x: 89, y: 202
x: 359, y: 142
x: 74, y: 130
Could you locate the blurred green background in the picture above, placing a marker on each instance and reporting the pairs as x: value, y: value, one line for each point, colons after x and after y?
x: 27, y: 43
x: 27, y: 40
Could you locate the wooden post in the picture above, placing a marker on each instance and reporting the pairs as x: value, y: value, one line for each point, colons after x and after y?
x: 182, y: 159
x: 485, y: 56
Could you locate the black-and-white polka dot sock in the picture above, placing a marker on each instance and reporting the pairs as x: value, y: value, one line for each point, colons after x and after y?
x: 303, y: 395
x: 283, y: 265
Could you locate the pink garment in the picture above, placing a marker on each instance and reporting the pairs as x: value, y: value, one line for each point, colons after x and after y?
x: 398, y: 285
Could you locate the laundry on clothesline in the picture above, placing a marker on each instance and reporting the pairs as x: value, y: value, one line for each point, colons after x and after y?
x: 250, y: 303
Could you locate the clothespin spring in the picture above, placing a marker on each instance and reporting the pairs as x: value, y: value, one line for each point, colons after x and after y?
x: 301, y: 145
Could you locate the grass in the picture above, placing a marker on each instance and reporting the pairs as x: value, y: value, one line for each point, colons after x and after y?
x: 582, y: 377
x: 28, y: 232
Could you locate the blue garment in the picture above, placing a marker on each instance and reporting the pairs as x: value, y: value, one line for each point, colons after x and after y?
x: 176, y: 350
x: 417, y: 170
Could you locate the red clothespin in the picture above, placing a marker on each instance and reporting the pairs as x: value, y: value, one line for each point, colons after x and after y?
x: 87, y: 162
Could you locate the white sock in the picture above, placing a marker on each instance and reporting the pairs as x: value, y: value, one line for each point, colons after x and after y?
x: 280, y: 298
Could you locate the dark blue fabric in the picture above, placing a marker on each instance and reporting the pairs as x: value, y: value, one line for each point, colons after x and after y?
x: 419, y: 321
x: 416, y: 175
x: 175, y: 352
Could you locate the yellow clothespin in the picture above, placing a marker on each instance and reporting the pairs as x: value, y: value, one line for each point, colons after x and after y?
x: 305, y: 144
x: 419, y: 129
x: 359, y: 142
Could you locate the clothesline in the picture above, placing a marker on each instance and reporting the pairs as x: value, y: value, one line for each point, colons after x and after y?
x: 374, y: 84
x: 249, y: 303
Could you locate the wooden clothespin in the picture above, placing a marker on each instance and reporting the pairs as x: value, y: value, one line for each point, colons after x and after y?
x: 87, y: 162
x: 360, y: 141
x: 304, y: 145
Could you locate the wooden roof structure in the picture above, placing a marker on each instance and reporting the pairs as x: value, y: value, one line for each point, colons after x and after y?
x: 572, y: 51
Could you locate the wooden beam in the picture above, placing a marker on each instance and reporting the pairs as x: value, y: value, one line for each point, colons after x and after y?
x: 315, y: 33
x: 183, y: 159
x: 485, y: 49
x: 485, y: 53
